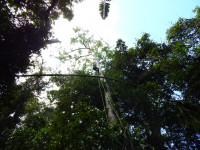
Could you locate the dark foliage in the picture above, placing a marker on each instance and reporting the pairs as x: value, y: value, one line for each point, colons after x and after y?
x: 24, y: 30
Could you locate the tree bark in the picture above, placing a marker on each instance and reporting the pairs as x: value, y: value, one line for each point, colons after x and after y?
x: 108, y: 98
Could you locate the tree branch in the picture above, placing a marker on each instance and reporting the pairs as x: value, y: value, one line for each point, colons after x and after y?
x: 82, y: 56
x: 76, y: 50
x: 49, y: 9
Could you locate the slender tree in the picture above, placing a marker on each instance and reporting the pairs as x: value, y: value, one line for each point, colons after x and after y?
x: 94, y: 53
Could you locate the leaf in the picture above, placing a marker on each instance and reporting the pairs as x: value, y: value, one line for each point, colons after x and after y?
x: 104, y: 9
x: 74, y: 40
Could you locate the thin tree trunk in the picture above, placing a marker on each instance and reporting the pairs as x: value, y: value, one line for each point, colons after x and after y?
x: 108, y: 98
x: 107, y: 93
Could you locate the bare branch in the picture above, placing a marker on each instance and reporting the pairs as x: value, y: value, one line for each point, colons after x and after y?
x: 77, y: 50
x: 86, y: 46
x: 82, y: 56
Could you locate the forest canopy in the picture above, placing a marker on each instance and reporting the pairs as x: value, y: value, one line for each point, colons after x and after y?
x: 151, y: 101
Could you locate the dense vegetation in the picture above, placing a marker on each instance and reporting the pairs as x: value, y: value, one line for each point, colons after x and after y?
x: 156, y: 102
x: 24, y: 29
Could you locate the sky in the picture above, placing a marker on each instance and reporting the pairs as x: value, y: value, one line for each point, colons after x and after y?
x: 128, y: 19
x: 151, y: 16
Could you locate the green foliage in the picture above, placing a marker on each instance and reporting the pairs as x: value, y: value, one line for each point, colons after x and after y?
x: 24, y: 29
x: 158, y: 100
x: 88, y: 51
x: 80, y: 109
x: 184, y: 56
x: 78, y: 120
x: 159, y: 71
x: 104, y: 8
x: 13, y: 106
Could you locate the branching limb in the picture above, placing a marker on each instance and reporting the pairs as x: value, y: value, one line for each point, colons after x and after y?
x: 76, y: 50
x: 82, y: 56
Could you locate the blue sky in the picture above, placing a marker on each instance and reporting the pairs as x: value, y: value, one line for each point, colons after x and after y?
x: 128, y: 19
x: 150, y: 16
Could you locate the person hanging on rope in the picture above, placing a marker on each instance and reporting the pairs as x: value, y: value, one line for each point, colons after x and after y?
x: 95, y: 68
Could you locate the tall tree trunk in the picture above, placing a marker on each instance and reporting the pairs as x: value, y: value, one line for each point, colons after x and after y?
x: 107, y: 94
